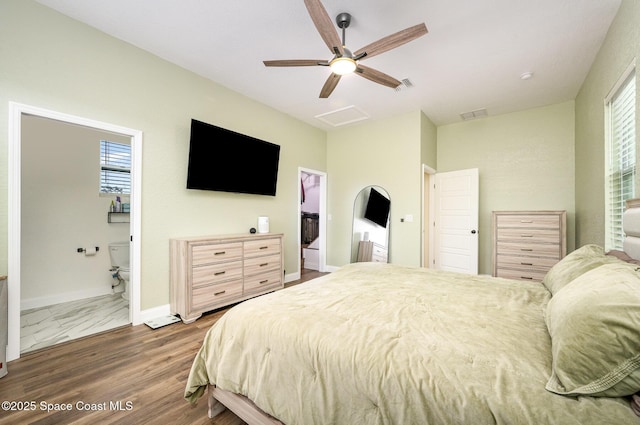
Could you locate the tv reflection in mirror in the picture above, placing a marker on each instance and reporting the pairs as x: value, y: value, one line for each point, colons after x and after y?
x: 226, y: 161
x: 377, y: 209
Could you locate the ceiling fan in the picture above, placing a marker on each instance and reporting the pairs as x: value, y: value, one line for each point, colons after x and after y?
x: 344, y: 61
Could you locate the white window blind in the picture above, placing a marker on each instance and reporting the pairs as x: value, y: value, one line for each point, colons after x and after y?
x: 621, y: 169
x: 115, y: 167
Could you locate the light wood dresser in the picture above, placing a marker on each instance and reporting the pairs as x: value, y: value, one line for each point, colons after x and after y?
x: 526, y: 244
x: 210, y: 272
x: 369, y: 251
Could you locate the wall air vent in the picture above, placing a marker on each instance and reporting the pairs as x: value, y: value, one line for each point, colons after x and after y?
x: 478, y: 113
x: 343, y: 116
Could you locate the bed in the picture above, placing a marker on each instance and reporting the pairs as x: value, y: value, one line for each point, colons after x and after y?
x: 379, y: 343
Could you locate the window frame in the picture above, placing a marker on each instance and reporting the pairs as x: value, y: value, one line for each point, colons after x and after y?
x: 623, y: 176
x: 115, y: 167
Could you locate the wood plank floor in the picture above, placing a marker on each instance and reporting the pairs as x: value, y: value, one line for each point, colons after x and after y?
x: 131, y: 375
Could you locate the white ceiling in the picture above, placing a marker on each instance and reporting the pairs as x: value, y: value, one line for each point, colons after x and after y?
x: 472, y: 57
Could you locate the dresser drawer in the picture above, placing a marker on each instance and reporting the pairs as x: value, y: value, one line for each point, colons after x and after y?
x: 529, y: 221
x: 379, y: 258
x: 528, y: 235
x: 263, y: 282
x: 528, y: 275
x: 522, y: 262
x: 215, y: 273
x: 262, y: 247
x: 215, y: 253
x: 258, y: 265
x: 219, y: 293
x: 529, y: 249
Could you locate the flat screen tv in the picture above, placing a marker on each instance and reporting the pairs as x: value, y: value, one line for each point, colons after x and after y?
x: 377, y: 209
x: 226, y: 161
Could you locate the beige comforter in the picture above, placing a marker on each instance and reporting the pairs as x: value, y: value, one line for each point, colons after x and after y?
x: 383, y: 344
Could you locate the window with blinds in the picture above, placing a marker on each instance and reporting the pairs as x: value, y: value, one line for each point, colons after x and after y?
x: 115, y: 167
x: 621, y: 167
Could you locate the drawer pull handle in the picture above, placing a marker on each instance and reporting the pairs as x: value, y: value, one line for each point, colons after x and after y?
x: 526, y: 249
x: 526, y: 236
x: 264, y: 247
x: 218, y: 293
x: 526, y: 277
x: 264, y: 264
x: 264, y: 281
x: 220, y: 253
x: 219, y: 273
x: 527, y: 264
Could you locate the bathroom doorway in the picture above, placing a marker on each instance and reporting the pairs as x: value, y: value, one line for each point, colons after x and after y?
x: 313, y: 218
x: 62, y: 230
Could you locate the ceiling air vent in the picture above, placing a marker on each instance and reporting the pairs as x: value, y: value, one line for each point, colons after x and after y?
x: 478, y: 113
x: 343, y: 116
x: 404, y: 85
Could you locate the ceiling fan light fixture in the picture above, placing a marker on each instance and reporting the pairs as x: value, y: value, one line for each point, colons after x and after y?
x: 342, y: 65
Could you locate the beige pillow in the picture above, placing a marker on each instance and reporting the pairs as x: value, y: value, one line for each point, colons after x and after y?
x: 594, y: 323
x: 575, y: 264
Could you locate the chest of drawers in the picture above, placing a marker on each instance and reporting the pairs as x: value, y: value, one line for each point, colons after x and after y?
x: 370, y: 251
x: 526, y: 244
x: 214, y: 271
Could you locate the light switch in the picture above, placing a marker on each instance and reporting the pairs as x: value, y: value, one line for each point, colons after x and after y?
x: 408, y: 218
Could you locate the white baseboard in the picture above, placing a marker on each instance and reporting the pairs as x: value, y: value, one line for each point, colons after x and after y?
x: 291, y: 277
x: 39, y: 302
x: 331, y: 269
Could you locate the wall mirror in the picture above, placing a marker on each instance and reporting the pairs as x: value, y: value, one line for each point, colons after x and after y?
x: 371, y: 225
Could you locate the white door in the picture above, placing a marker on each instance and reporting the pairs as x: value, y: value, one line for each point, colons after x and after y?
x: 456, y: 221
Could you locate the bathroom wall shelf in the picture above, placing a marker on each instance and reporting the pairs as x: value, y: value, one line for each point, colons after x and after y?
x: 118, y: 217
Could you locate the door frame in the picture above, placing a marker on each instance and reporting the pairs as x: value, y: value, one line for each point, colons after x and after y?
x: 428, y: 216
x: 322, y: 219
x: 16, y: 110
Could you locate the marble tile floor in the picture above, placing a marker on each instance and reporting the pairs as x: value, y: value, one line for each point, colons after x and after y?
x: 50, y: 325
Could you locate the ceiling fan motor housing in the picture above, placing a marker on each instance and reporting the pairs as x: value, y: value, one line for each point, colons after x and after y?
x: 343, y: 20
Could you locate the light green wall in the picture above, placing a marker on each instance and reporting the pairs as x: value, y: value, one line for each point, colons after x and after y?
x: 525, y: 161
x: 429, y: 142
x: 385, y: 153
x: 53, y: 62
x: 620, y: 48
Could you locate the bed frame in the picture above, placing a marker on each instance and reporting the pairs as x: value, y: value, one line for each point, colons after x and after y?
x: 245, y: 409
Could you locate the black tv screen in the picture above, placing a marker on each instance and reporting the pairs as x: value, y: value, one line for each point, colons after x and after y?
x: 226, y: 161
x: 377, y: 209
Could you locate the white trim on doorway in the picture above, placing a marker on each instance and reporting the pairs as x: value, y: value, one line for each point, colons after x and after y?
x: 322, y: 220
x: 428, y: 214
x: 16, y: 110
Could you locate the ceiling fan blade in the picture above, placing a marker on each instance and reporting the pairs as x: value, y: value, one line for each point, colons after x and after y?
x: 296, y: 62
x: 392, y: 41
x: 377, y: 76
x: 325, y: 26
x: 329, y: 85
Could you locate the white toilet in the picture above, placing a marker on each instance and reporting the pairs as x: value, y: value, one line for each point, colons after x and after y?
x: 119, y: 253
